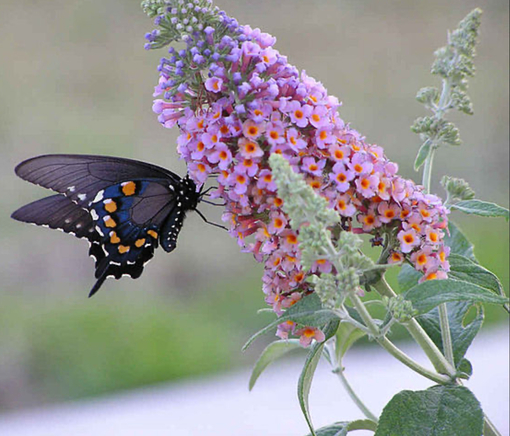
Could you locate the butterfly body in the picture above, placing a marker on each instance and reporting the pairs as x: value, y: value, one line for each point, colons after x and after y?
x: 124, y: 208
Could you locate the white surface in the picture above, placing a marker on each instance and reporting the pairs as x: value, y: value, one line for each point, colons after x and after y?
x: 224, y: 407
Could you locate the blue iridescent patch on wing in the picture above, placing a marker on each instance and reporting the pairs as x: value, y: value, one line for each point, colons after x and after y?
x: 123, y: 240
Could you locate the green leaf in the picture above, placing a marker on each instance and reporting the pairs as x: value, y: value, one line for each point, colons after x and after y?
x: 306, y: 377
x: 462, y: 335
x: 346, y: 336
x: 458, y: 243
x: 336, y: 429
x: 422, y: 155
x: 342, y: 428
x: 362, y: 424
x: 408, y: 277
x: 439, y: 411
x: 307, y: 311
x: 430, y: 294
x: 272, y: 352
x: 462, y: 268
x: 465, y: 368
x: 482, y: 208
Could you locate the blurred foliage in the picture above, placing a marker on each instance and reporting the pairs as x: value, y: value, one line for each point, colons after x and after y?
x: 75, y: 79
x: 74, y: 349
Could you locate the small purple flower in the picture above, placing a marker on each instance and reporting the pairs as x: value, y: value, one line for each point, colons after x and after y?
x: 408, y: 240
x: 342, y: 176
x: 199, y: 171
x: 310, y: 166
x: 214, y: 84
x: 307, y: 334
x: 220, y: 155
x: 294, y: 140
x: 298, y: 113
x: 344, y: 206
x: 360, y: 164
x: 367, y: 185
x: 275, y: 133
x: 388, y: 212
x: 319, y: 116
x: 211, y: 138
x: 266, y: 181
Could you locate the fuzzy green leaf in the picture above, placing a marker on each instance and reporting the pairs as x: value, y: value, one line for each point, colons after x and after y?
x: 346, y: 336
x: 336, y: 429
x: 342, y: 428
x: 482, y: 208
x: 464, y: 269
x: 438, y: 411
x: 462, y: 335
x: 307, y: 311
x: 458, y: 243
x: 408, y: 277
x: 430, y: 294
x: 422, y: 155
x: 272, y: 352
x: 306, y: 377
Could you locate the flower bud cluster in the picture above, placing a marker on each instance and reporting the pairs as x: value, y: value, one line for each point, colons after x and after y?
x: 237, y: 101
x: 457, y: 189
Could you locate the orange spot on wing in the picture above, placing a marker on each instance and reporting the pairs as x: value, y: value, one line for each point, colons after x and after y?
x: 114, y: 239
x: 109, y: 222
x: 110, y: 206
x: 140, y: 242
x: 123, y: 248
x: 152, y: 233
x: 128, y: 188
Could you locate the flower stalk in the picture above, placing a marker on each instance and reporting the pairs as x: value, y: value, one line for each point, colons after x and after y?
x: 454, y: 63
x: 339, y: 371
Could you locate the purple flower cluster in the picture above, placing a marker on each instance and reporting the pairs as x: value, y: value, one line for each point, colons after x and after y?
x: 236, y: 100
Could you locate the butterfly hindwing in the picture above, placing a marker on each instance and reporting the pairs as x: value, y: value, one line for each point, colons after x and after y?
x: 58, y: 212
x: 123, y: 207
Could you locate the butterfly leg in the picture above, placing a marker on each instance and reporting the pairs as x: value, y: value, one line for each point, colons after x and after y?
x: 209, y: 222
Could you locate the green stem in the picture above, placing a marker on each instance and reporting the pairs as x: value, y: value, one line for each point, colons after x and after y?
x: 489, y: 429
x: 427, y: 168
x: 420, y: 336
x: 361, y: 406
x: 339, y: 371
x: 445, y: 334
x: 439, y: 112
x: 392, y: 349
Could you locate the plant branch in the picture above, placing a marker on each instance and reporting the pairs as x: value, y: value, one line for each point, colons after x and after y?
x: 419, y: 335
x: 392, y: 349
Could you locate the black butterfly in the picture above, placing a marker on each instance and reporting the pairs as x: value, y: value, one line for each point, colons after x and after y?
x: 123, y: 207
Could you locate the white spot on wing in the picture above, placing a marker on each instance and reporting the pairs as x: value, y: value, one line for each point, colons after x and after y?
x: 94, y: 215
x: 82, y: 197
x: 98, y: 197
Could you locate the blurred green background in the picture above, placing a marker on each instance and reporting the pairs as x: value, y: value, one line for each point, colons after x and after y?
x: 75, y: 79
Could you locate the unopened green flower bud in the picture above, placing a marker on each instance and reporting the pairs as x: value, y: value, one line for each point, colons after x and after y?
x: 348, y: 280
x: 457, y: 189
x: 399, y: 308
x: 429, y: 96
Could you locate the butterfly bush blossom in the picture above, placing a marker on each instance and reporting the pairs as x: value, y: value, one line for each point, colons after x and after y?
x: 236, y: 100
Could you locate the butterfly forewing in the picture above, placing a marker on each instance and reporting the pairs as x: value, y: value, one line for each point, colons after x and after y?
x: 80, y: 177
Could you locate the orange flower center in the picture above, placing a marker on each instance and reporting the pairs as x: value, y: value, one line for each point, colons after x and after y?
x: 408, y: 239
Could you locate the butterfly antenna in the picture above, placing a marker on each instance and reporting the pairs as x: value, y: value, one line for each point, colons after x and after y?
x: 209, y: 222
